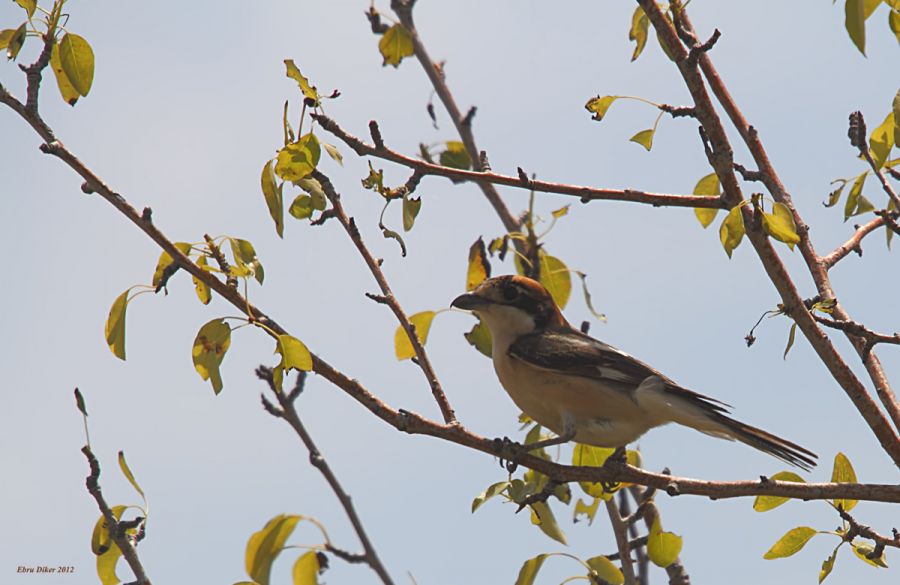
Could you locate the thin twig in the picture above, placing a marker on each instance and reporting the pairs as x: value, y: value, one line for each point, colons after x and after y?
x: 620, y: 530
x: 637, y: 544
x: 859, y: 330
x: 879, y: 171
x: 853, y: 244
x: 858, y: 529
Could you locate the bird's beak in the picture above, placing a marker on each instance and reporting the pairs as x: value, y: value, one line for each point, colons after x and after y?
x: 469, y: 302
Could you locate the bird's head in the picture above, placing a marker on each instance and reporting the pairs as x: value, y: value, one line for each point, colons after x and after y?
x: 512, y: 305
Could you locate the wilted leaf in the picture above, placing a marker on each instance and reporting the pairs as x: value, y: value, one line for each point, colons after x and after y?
x: 68, y: 92
x: 828, y: 564
x: 334, y: 153
x: 200, y: 287
x: 294, y: 73
x: 598, y: 106
x: 766, y: 503
x: 403, y: 347
x: 605, y: 569
x: 792, y: 541
x: 556, y: 279
x: 15, y: 41
x: 640, y: 24
x: 306, y: 569
x: 395, y: 45
x: 707, y: 186
x: 882, y: 140
x: 479, y: 268
x: 375, y: 180
x: 115, y: 325
x: 528, y: 572
x: 391, y: 234
x: 855, y: 23
x: 79, y: 402
x: 587, y: 510
x: 663, y: 548
x: 843, y: 473
x: 480, y: 338
x: 411, y: 207
x: 489, y: 493
x: 780, y: 225
x: 209, y: 349
x: 835, y: 195
x: 77, y: 60
x: 644, y: 138
x: 732, y: 230
x: 126, y: 471
x: 790, y: 342
x: 455, y: 156
x: 543, y: 518
x: 264, y: 546
x: 297, y: 160
x: 273, y: 197
x: 864, y: 549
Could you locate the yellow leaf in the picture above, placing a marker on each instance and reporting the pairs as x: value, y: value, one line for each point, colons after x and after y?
x: 855, y: 23
x: 556, y: 279
x: 68, y: 92
x: 115, y: 325
x: 489, y: 493
x: 479, y: 268
x: 638, y: 32
x: 894, y: 23
x: 543, y: 518
x: 403, y: 347
x: 663, y: 548
x: 165, y: 264
x: 200, y: 287
x: 126, y: 471
x: 882, y: 140
x: 294, y: 354
x: 273, y: 197
x: 480, y: 338
x: 780, y: 225
x: 853, y: 205
x: 707, y: 186
x: 14, y: 41
x: 306, y: 569
x: 77, y: 60
x: 587, y: 510
x: 455, y: 156
x: 297, y: 160
x: 29, y: 5
x: 591, y: 456
x: 529, y: 570
x: 828, y: 564
x: 606, y: 570
x: 732, y: 230
x: 843, y: 473
x: 411, y: 207
x: 766, y: 503
x: 294, y: 73
x: 863, y: 550
x: 598, y: 106
x: 264, y: 546
x: 209, y: 349
x: 792, y: 541
x: 395, y: 45
x: 106, y: 565
x: 100, y: 540
x: 644, y: 138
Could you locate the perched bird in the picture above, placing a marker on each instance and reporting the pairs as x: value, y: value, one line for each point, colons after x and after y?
x: 583, y: 389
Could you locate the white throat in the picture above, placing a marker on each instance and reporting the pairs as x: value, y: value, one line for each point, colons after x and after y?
x: 506, y: 324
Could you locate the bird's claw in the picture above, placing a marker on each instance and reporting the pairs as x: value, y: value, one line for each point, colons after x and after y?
x: 617, y: 460
x: 508, y: 451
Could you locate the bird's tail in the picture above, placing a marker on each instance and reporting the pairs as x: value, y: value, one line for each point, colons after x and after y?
x: 766, y: 442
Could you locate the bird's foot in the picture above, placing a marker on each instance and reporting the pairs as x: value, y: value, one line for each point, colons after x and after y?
x: 509, y: 451
x: 614, y: 462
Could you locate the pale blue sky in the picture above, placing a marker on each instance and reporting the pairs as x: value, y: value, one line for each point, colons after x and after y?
x: 184, y: 111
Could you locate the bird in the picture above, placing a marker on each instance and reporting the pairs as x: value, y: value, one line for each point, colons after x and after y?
x: 586, y: 390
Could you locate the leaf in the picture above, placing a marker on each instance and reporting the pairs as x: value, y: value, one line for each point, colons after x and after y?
x: 663, y: 548
x: 587, y: 510
x: 166, y: 266
x: 77, y: 59
x: 106, y: 565
x: 640, y: 24
x: 543, y: 518
x: 828, y: 564
x: 126, y: 471
x: 6, y: 35
x: 302, y: 207
x: 403, y: 347
x: 68, y: 92
x: 605, y: 569
x: 489, y: 493
x: 732, y: 230
x: 306, y: 569
x: 375, y: 180
x: 294, y: 354
x: 863, y: 550
x: 561, y: 212
x: 644, y: 138
x: 529, y: 570
x: 780, y: 225
x: 556, y: 279
x: 273, y: 197
x: 411, y: 207
x: 15, y: 41
x: 479, y: 268
x: 209, y: 349
x: 710, y: 187
x: 286, y: 125
x: 79, y: 402
x: 334, y: 153
x: 455, y: 156
x: 895, y: 105
x: 308, y: 90
x: 852, y: 205
x: 598, y: 106
x: 591, y: 456
x: 264, y: 546
x: 792, y: 541
x: 882, y: 140
x: 245, y: 257
x: 790, y: 343
x: 115, y: 325
x: 297, y: 160
x: 835, y: 195
x: 29, y: 5
x: 391, y: 234
x: 766, y: 503
x: 316, y: 193
x: 100, y: 539
x: 480, y: 338
x: 395, y: 45
x: 843, y: 473
x: 855, y: 23
x: 200, y: 287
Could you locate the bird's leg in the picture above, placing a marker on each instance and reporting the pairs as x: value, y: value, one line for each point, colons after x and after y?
x: 616, y: 460
x: 510, y: 450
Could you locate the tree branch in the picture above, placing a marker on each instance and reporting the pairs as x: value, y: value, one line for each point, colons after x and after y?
x: 859, y: 330
x: 677, y: 573
x: 620, y: 530
x: 857, y: 529
x: 853, y: 244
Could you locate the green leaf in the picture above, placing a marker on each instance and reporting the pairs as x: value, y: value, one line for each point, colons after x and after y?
x: 591, y: 456
x: 663, y: 548
x: 780, y: 225
x: 640, y: 24
x: 709, y: 187
x: 294, y: 354
x: 286, y: 125
x: 855, y: 23
x: 209, y: 349
x: 308, y: 90
x: 126, y: 471
x: 644, y: 138
x: 68, y: 92
x: 411, y: 207
x: 395, y: 45
x: 29, y: 5
x: 273, y: 197
x: 606, y: 570
x: 15, y: 41
x: 106, y: 565
x: 556, y: 279
x: 543, y: 518
x: 882, y: 140
x: 115, y: 325
x: 79, y: 402
x: 403, y: 347
x: 835, y: 195
x: 200, y: 287
x: 895, y: 105
x: 455, y: 156
x: 790, y: 343
x: 302, y: 207
x: 598, y: 106
x: 480, y: 338
x: 317, y: 194
x: 851, y: 207
x: 528, y: 572
x: 828, y: 564
x: 100, y: 539
x: 245, y: 257
x: 587, y: 510
x: 297, y: 160
x: 264, y: 546
x: 166, y: 266
x: 77, y: 59
x: 766, y: 503
x: 792, y: 541
x: 731, y: 231
x: 306, y: 569
x: 334, y: 153
x: 489, y: 493
x: 479, y: 268
x: 864, y: 549
x: 843, y: 473
x: 6, y: 35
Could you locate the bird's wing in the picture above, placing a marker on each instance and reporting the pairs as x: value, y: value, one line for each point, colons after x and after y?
x: 573, y: 353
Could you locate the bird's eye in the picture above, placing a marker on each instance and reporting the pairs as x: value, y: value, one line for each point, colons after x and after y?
x: 510, y: 292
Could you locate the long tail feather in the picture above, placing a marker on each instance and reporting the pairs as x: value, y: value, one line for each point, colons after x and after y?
x: 768, y: 443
